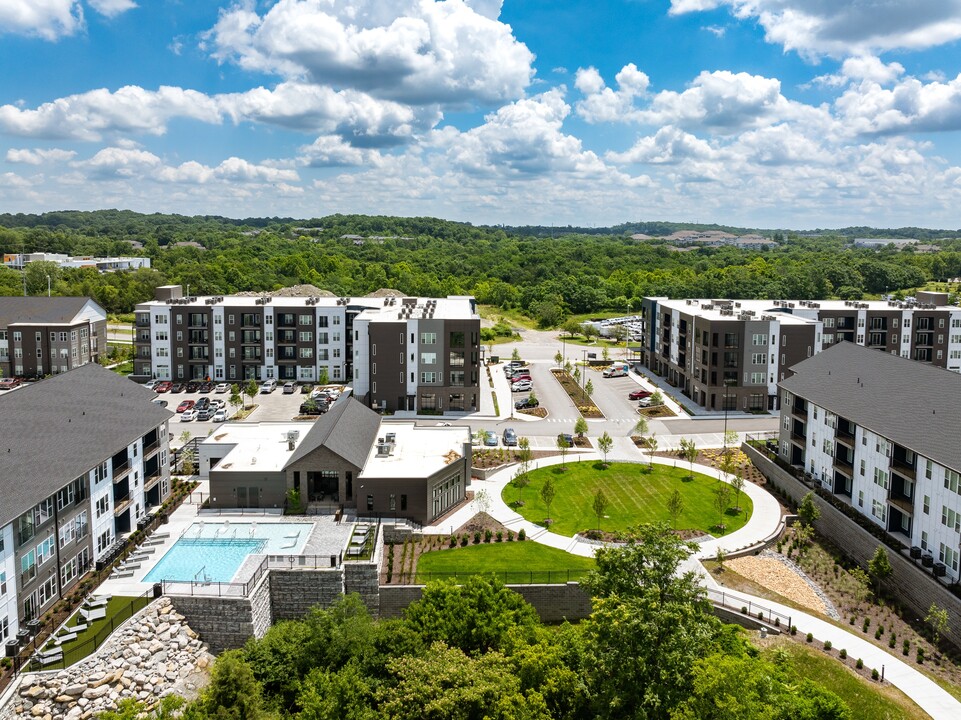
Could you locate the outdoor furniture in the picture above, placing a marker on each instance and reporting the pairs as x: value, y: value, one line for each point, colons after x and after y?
x: 50, y: 656
x: 91, y: 614
x: 355, y: 550
x: 99, y: 601
x: 65, y: 637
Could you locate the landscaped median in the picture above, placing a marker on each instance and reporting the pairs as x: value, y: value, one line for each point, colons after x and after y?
x: 581, y: 399
x: 512, y: 563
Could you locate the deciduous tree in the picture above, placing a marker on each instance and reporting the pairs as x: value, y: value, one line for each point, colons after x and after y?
x: 604, y: 443
x: 548, y: 491
x: 599, y: 506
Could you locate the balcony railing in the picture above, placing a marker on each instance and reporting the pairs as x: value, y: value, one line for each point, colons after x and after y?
x: 151, y: 447
x: 119, y: 506
x: 902, y: 504
x: 152, y: 480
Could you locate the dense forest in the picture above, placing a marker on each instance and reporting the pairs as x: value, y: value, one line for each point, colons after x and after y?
x: 651, y: 650
x: 545, y: 277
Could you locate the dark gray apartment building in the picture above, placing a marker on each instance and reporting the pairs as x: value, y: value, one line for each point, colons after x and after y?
x: 84, y: 459
x: 398, y: 353
x: 49, y: 335
x: 730, y: 354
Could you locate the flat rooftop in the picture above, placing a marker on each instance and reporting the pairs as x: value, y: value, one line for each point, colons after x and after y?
x: 416, y: 451
x: 734, y: 309
x: 257, y: 446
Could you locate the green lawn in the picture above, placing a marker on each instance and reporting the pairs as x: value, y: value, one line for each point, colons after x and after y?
x: 119, y: 610
x: 634, y: 496
x: 540, y: 563
x: 865, y: 698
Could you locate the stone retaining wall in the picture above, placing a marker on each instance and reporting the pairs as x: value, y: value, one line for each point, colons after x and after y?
x: 223, y: 623
x: 363, y: 578
x: 293, y: 593
x: 915, y: 588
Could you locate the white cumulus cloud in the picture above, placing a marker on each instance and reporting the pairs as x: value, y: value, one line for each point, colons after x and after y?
x: 111, y: 8
x: 39, y: 156
x: 48, y: 19
x: 603, y: 104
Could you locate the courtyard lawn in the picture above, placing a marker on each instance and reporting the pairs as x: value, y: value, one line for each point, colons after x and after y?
x: 512, y: 562
x: 634, y: 495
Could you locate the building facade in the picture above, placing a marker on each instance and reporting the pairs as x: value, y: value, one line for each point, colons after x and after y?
x: 730, y: 354
x: 49, y: 335
x: 86, y: 460
x: 881, y: 433
x: 397, y: 353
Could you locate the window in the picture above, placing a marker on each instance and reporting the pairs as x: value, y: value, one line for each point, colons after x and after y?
x: 759, y: 340
x: 428, y: 338
x: 102, y: 506
x: 428, y: 377
x: 392, y: 502
x: 758, y: 378
x: 862, y: 467
x: 322, y: 338
x: 16, y: 336
x: 926, y: 505
x: 403, y: 502
x: 322, y: 321
x: 860, y: 322
x: 456, y: 358
x: 827, y: 447
x: 879, y: 510
x: 829, y: 322
x: 428, y: 358
x: 758, y: 358
x: 924, y: 540
x: 949, y: 556
x: 881, y: 478
x: 457, y: 339
x: 103, y: 541
x: 306, y: 337
x: 828, y: 338
x: 3, y: 584
x: 860, y: 498
x: 306, y: 320
x: 883, y: 447
x: 951, y: 480
x: 323, y: 354
x: 950, y: 518
x: 336, y: 319
x: 306, y: 352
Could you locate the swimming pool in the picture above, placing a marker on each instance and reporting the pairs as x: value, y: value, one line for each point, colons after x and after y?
x: 213, y: 552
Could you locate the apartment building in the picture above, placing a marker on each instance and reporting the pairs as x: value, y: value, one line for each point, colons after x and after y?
x: 398, y: 353
x: 49, y: 335
x: 880, y: 432
x: 85, y: 459
x: 730, y: 354
x: 100, y: 264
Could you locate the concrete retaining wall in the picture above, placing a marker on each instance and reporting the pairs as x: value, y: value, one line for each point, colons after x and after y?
x: 914, y: 587
x: 293, y: 593
x: 222, y: 623
x: 362, y: 578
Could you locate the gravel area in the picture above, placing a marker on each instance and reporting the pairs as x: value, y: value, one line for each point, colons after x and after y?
x: 778, y: 574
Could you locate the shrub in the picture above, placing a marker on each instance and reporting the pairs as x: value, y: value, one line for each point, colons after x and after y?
x: 477, y: 537
x: 744, y: 610
x: 488, y: 534
x: 844, y: 653
x: 877, y: 634
x: 794, y: 629
x: 500, y: 536
x: 510, y: 536
x: 859, y: 664
x: 875, y: 674
x: 827, y: 644
x: 905, y: 647
x: 777, y: 622
x: 866, y: 625
x: 522, y: 534
x: 920, y: 656
x: 453, y: 541
x: 853, y: 620
x: 463, y: 541
x: 810, y: 637
x: 760, y: 615
x: 892, y: 640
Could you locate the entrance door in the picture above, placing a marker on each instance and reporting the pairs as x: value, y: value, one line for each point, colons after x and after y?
x: 241, y: 497
x: 253, y: 497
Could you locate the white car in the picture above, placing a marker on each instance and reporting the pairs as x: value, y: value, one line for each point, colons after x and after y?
x: 219, y: 416
x: 522, y: 386
x: 268, y: 386
x: 217, y: 404
x: 188, y: 415
x: 150, y: 384
x: 222, y: 388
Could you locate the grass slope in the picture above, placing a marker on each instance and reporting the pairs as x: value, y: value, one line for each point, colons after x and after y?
x: 511, y: 562
x: 634, y: 496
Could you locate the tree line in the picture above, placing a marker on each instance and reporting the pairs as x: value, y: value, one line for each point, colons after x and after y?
x: 548, y: 278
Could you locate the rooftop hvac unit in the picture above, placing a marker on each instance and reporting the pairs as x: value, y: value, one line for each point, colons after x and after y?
x: 383, y: 450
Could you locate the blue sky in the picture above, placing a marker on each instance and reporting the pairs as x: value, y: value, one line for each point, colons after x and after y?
x: 767, y: 113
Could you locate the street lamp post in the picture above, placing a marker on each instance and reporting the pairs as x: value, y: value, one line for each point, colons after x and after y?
x: 48, y: 285
x: 627, y: 333
x: 725, y: 416
x: 584, y: 370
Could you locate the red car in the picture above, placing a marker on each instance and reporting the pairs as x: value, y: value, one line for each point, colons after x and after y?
x: 9, y: 383
x: 163, y: 387
x: 638, y: 394
x: 185, y: 405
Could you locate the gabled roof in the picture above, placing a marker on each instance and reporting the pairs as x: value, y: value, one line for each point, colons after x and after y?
x: 348, y: 429
x: 43, y: 310
x: 911, y: 403
x: 58, y: 429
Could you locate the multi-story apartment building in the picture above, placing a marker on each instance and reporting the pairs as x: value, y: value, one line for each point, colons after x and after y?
x: 881, y: 433
x: 730, y: 354
x: 85, y: 459
x: 49, y: 335
x: 397, y: 353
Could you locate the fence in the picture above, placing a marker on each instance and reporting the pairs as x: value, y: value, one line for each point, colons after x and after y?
x: 749, y: 607
x: 213, y: 588
x: 508, y: 577
x: 74, y: 651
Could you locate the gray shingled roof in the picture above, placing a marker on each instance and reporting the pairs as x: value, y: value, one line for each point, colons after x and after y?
x: 54, y: 431
x: 348, y: 429
x: 38, y: 310
x: 914, y: 404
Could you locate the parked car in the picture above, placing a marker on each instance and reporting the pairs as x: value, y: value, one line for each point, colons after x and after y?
x: 217, y: 404
x: 9, y: 383
x: 638, y: 394
x: 220, y: 415
x: 527, y: 403
x: 162, y: 387
x: 519, y: 378
x: 178, y: 387
x: 306, y: 389
x: 289, y: 388
x: 645, y: 402
x: 313, y: 407
x: 510, y: 437
x: 514, y: 373
x: 205, y: 387
x: 522, y: 386
x: 513, y: 364
x: 159, y: 401
x: 150, y: 384
x: 222, y: 388
x: 567, y: 439
x: 202, y: 403
x: 188, y: 415
x: 268, y: 386
x: 192, y: 386
x: 205, y: 413
x: 490, y: 439
x: 185, y: 405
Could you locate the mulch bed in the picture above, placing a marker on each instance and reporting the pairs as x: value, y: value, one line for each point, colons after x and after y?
x: 582, y: 401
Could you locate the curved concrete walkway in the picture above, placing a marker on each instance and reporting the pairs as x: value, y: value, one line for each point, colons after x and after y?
x: 928, y: 695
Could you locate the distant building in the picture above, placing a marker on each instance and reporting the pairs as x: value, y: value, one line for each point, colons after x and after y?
x: 881, y: 434
x: 348, y: 458
x: 49, y: 335
x: 108, y: 264
x: 84, y: 461
x: 884, y: 242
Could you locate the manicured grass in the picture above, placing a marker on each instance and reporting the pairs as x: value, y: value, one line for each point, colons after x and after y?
x: 119, y: 610
x: 865, y: 698
x: 511, y: 562
x: 634, y: 494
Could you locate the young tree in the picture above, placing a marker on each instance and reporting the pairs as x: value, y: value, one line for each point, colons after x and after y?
x: 860, y: 589
x: 737, y: 484
x: 515, y: 355
x: 572, y: 327
x: 937, y: 620
x: 324, y: 377
x: 689, y: 449
x: 235, y: 399
x: 547, y: 496
x: 580, y: 427
x: 482, y: 501
x: 589, y: 331
x: 577, y: 375
x: 251, y: 389
x: 879, y: 568
x: 599, y: 506
x: 730, y: 440
x: 807, y: 511
x: 641, y: 426
x: 187, y: 463
x: 568, y: 368
x: 562, y: 447
x: 524, y: 453
x: 675, y: 506
x: 727, y: 464
x: 722, y: 499
x: 657, y: 398
x: 521, y: 481
x: 589, y: 387
x: 532, y: 397
x: 651, y: 449
x: 605, y: 353
x: 185, y: 437
x: 558, y: 358
x: 604, y: 443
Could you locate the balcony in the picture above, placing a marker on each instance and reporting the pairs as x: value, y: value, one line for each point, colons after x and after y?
x: 903, y: 504
x: 151, y: 448
x: 152, y: 480
x: 197, y: 321
x: 800, y: 409
x: 120, y: 471
x: 845, y: 429
x: 143, y: 321
x: 924, y: 339
x: 120, y: 506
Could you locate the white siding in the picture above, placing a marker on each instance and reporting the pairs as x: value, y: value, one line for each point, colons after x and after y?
x: 8, y: 599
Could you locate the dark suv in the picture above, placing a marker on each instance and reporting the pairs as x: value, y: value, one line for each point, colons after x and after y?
x: 526, y: 404
x: 567, y: 440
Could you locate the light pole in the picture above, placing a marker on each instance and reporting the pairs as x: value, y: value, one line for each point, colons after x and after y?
x: 724, y: 453
x: 584, y: 370
x: 627, y: 333
x: 48, y: 285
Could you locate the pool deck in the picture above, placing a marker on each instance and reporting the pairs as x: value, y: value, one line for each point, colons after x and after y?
x: 327, y: 538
